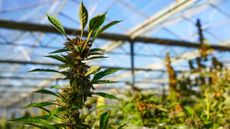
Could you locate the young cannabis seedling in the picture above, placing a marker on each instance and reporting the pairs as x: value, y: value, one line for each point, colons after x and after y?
x: 65, y: 113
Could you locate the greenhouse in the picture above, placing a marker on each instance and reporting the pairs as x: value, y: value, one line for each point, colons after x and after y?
x: 114, y: 64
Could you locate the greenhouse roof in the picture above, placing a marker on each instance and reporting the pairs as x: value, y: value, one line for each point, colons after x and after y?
x: 153, y: 28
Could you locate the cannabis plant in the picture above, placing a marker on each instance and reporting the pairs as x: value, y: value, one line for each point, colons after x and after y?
x: 70, y: 99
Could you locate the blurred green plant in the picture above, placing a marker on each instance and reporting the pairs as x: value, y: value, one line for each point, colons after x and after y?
x: 149, y: 109
x: 5, y: 124
x: 69, y: 100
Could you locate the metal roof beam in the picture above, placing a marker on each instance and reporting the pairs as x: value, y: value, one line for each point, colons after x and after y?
x: 53, y: 47
x: 161, y: 16
x: 55, y: 64
x: 154, y: 20
x: 107, y: 36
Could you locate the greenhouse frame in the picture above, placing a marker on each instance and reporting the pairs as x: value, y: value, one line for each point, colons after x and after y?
x: 150, y: 32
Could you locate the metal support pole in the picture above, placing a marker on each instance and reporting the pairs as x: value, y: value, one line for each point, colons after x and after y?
x: 163, y: 91
x: 200, y: 32
x: 132, y: 54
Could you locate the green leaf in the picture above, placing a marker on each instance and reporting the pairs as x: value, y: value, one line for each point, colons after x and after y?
x: 123, y: 125
x: 44, y: 91
x: 60, y: 50
x: 58, y: 57
x: 60, y: 125
x: 83, y: 15
x: 55, y: 112
x: 103, y: 94
x: 57, y: 24
x: 102, y: 81
x: 44, y: 117
x: 49, y: 70
x: 100, y: 30
x: 55, y: 87
x: 96, y: 54
x: 97, y: 50
x: 104, y: 73
x: 95, y: 57
x: 44, y: 70
x: 63, y: 66
x: 39, y: 104
x: 96, y: 22
x: 104, y: 120
x: 92, y: 70
x: 189, y: 110
x: 35, y: 121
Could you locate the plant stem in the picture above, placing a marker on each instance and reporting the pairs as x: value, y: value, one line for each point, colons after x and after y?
x: 81, y: 35
x: 88, y: 37
x: 207, y: 104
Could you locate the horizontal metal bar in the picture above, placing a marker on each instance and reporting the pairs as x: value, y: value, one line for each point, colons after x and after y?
x: 28, y: 78
x: 10, y: 86
x: 108, y: 36
x: 56, y: 64
x: 52, y: 47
